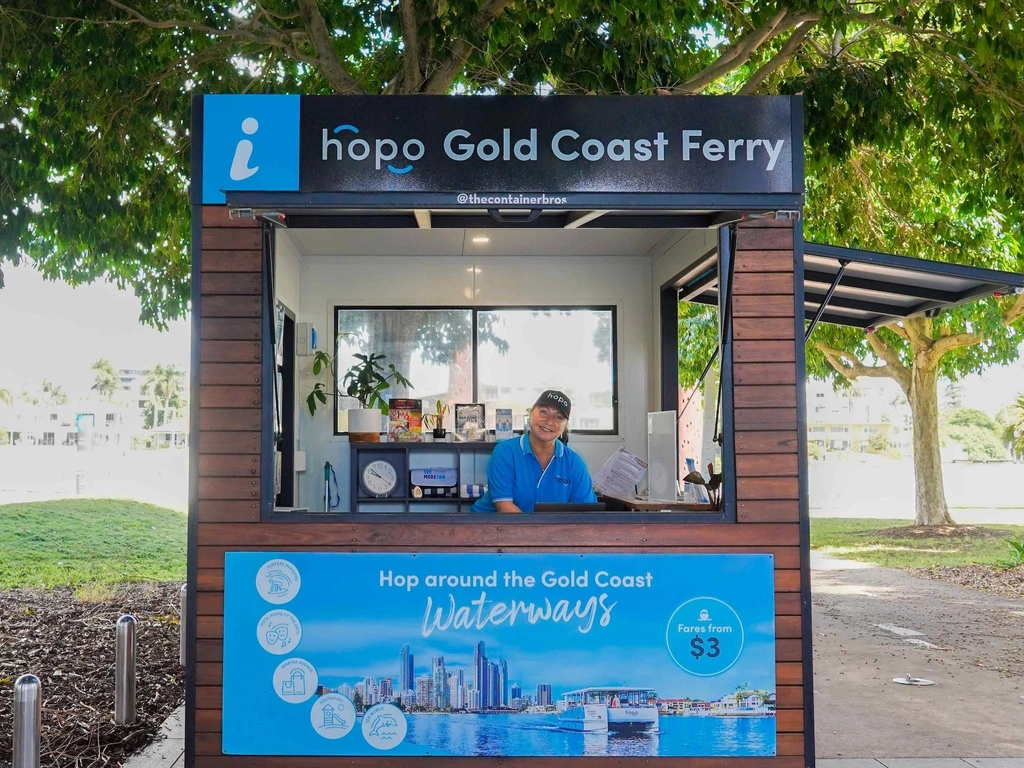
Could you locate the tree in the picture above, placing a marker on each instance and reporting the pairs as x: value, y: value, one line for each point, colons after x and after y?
x: 54, y: 393
x: 117, y: 134
x: 914, y: 141
x: 6, y: 397
x: 1014, y: 433
x: 107, y: 382
x: 166, y: 384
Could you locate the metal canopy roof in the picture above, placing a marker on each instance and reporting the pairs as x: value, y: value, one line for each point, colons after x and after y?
x: 865, y: 289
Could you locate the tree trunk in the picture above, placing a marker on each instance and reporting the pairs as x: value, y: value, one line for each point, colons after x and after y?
x: 929, y: 494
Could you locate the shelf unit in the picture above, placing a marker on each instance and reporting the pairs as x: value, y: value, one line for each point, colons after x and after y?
x: 402, y: 455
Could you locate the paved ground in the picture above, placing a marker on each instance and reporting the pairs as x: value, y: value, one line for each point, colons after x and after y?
x: 970, y: 644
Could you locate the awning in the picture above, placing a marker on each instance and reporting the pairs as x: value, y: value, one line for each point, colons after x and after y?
x: 865, y: 289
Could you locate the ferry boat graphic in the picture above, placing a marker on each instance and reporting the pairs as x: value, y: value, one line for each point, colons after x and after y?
x: 599, y: 710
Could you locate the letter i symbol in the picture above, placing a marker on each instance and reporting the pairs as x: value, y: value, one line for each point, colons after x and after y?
x: 243, y: 152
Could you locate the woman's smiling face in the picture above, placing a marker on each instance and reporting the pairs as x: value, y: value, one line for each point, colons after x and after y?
x: 546, y: 423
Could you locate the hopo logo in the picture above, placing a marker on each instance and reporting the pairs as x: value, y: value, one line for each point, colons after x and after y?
x: 358, y: 149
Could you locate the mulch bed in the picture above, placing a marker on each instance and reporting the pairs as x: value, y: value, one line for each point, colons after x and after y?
x: 1006, y: 582
x: 69, y: 644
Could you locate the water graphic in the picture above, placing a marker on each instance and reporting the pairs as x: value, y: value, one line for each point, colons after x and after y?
x: 540, y: 735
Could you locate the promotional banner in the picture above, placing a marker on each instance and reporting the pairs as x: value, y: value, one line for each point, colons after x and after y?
x: 486, y: 654
x: 500, y: 150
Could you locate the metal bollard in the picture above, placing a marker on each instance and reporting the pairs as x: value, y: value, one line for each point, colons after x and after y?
x: 182, y: 627
x: 27, y: 713
x: 124, y: 672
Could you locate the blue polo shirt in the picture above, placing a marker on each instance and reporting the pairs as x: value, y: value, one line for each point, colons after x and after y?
x: 514, y: 474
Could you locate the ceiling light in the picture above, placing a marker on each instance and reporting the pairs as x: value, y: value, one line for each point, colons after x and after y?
x: 481, y: 239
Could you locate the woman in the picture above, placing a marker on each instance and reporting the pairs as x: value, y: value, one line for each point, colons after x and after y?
x: 537, y: 467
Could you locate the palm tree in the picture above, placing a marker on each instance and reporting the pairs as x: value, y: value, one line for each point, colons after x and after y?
x: 166, y: 383
x: 107, y: 382
x: 6, y: 396
x: 55, y: 394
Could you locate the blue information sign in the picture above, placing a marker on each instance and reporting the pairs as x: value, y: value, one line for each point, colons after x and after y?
x: 486, y: 654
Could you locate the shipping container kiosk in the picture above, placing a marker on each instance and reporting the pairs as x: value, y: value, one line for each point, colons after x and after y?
x: 305, y: 205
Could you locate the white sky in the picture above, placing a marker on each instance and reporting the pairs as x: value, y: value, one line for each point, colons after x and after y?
x: 50, y: 330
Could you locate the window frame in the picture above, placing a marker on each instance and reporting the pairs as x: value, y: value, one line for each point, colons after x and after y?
x: 474, y: 311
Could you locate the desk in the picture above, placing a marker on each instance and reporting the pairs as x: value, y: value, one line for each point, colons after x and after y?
x: 617, y: 503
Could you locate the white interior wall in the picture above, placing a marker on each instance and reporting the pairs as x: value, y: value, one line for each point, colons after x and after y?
x: 630, y: 283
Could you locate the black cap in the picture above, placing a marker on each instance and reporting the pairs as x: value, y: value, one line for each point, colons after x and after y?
x: 555, y: 399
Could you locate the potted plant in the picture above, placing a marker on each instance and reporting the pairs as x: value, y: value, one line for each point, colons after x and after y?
x: 366, y: 381
x: 435, y: 421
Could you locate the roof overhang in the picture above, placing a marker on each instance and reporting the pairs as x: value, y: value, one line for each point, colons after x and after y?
x: 866, y: 289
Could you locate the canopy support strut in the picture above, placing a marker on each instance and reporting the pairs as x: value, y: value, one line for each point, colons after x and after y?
x: 843, y: 264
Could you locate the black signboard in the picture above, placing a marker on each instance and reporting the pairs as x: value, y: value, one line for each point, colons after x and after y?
x: 497, y: 150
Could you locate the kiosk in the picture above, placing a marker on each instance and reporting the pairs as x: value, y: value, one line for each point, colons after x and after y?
x: 398, y: 630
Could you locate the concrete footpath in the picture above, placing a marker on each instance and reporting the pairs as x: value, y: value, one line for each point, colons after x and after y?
x: 872, y: 625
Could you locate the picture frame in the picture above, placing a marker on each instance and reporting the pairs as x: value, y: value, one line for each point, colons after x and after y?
x: 470, y: 425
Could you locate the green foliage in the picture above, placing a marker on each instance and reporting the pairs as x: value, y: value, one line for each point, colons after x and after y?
x: 6, y: 397
x: 698, y: 340
x: 90, y: 541
x: 166, y: 384
x: 1016, y: 558
x: 979, y: 443
x: 1013, y: 433
x: 879, y: 443
x: 903, y: 103
x: 107, y: 382
x: 366, y: 381
x: 5, y: 436
x: 970, y: 417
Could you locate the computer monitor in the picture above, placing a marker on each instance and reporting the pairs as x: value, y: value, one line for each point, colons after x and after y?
x: 570, y: 507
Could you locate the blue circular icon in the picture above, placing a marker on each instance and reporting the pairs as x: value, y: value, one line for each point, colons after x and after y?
x: 704, y: 636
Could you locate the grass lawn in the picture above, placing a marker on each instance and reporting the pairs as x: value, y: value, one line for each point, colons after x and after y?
x: 76, y: 542
x: 857, y: 539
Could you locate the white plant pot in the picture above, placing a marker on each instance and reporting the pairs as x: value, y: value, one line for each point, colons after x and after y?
x: 365, y: 421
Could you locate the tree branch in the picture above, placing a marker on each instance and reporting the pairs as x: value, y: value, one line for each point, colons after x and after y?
x: 850, y: 366
x: 780, y: 58
x: 740, y: 53
x: 441, y: 79
x: 947, y: 343
x: 1015, y: 312
x: 917, y: 333
x: 327, y: 59
x: 897, y: 370
x: 410, y: 39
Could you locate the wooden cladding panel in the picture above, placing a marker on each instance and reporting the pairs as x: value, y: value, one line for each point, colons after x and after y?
x: 230, y: 373
x: 229, y: 488
x: 223, y: 465
x: 761, y: 262
x: 231, y: 283
x: 470, y: 535
x: 764, y: 239
x: 765, y: 396
x: 230, y: 352
x: 771, y: 328
x: 230, y: 397
x: 766, y: 465
x: 229, y: 420
x: 771, y: 283
x: 231, y: 239
x: 763, y: 306
x: 212, y: 556
x: 764, y: 419
x: 766, y: 442
x: 231, y: 328
x: 768, y: 488
x: 219, y: 511
x: 232, y: 261
x: 219, y: 216
x: 768, y: 510
x: 228, y: 442
x: 759, y: 374
x: 230, y: 306
x: 764, y: 351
